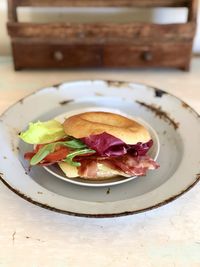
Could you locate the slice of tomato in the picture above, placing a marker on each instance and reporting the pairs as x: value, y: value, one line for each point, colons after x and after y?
x: 38, y: 148
x: 29, y: 155
x: 57, y: 155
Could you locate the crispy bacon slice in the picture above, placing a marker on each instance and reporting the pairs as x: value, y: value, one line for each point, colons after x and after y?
x: 134, y: 165
x: 127, y: 164
x: 88, y: 169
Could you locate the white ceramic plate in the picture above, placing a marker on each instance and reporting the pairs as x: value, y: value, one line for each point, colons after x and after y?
x: 153, y: 152
x: 177, y: 126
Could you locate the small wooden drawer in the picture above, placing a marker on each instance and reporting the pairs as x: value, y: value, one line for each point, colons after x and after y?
x: 56, y: 56
x: 170, y: 55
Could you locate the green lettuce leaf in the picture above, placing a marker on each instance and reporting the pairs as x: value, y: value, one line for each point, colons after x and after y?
x: 70, y: 157
x: 73, y: 143
x: 43, y: 132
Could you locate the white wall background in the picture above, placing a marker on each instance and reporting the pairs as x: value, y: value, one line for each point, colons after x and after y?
x: 91, y: 14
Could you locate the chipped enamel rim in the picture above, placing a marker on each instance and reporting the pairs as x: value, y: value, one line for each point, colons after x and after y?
x: 40, y: 202
x: 113, y: 181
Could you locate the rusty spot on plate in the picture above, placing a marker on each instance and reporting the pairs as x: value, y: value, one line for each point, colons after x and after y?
x: 65, y: 102
x: 29, y: 168
x: 159, y: 92
x: 118, y: 84
x: 188, y: 107
x: 185, y: 105
x: 157, y: 110
x: 13, y: 147
x: 57, y: 85
x: 40, y: 193
x: 108, y: 191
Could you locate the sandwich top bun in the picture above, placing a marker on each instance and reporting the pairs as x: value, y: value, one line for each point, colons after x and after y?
x: 90, y: 123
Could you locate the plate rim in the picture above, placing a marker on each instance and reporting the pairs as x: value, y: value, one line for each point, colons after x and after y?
x: 116, y: 83
x: 110, y: 215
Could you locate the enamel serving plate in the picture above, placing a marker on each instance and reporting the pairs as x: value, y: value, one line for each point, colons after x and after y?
x: 176, y: 124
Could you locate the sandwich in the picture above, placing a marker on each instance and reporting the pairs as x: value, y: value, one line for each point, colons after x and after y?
x: 91, y: 145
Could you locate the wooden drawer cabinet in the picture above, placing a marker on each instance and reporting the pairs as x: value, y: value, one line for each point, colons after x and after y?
x: 68, y: 45
x: 62, y: 56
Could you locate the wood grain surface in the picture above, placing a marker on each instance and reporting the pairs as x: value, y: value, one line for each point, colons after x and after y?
x: 98, y: 3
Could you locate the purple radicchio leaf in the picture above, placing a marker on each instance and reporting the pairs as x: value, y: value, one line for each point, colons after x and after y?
x: 108, y: 145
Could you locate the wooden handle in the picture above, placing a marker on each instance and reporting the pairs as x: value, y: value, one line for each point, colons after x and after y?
x: 147, y: 56
x: 58, y: 55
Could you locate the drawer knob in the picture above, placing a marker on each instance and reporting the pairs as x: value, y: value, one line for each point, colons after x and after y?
x: 58, y: 56
x: 147, y: 56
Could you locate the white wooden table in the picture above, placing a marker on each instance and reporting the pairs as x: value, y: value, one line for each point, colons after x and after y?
x: 34, y: 237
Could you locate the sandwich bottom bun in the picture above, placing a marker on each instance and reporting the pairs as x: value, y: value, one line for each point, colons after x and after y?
x: 91, y: 123
x: 103, y: 172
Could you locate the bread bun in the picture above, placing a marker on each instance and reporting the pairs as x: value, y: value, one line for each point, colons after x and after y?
x: 103, y: 172
x: 89, y: 123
